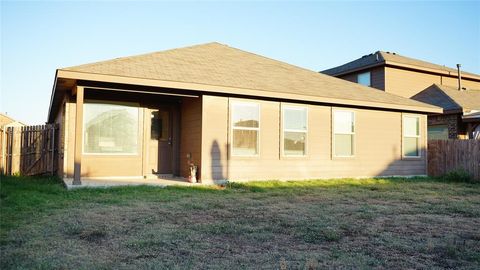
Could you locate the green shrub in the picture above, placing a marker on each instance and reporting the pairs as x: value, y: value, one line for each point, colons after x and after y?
x: 458, y: 175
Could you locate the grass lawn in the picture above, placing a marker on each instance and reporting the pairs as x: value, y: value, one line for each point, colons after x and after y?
x: 371, y: 223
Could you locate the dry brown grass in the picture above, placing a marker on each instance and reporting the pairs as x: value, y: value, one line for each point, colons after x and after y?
x: 340, y: 224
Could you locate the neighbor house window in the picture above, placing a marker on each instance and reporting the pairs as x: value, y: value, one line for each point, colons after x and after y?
x: 411, y: 136
x: 110, y: 128
x: 364, y: 78
x: 294, y: 130
x: 344, y: 133
x: 438, y: 132
x: 245, y: 128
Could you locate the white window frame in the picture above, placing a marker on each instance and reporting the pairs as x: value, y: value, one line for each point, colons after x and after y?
x: 369, y: 78
x: 282, y: 145
x: 232, y: 127
x: 139, y: 136
x: 354, y: 140
x: 416, y: 136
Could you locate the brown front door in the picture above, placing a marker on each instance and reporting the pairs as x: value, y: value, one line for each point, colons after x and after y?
x: 160, y: 145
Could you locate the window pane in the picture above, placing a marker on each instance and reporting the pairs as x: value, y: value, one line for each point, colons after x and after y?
x: 245, y: 115
x: 110, y: 128
x: 155, y: 127
x: 245, y: 142
x: 294, y: 143
x: 343, y: 145
x: 364, y: 78
x: 343, y: 122
x: 410, y: 147
x: 159, y: 125
x: 438, y: 132
x: 411, y: 126
x: 295, y: 118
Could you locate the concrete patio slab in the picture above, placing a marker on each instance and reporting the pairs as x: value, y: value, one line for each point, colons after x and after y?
x: 113, y: 182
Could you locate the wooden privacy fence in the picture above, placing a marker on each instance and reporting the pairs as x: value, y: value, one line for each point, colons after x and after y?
x: 29, y: 150
x: 448, y: 155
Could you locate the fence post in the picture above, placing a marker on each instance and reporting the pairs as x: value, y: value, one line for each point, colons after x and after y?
x: 53, y: 147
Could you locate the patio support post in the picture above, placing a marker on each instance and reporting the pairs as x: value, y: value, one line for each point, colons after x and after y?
x: 78, y: 136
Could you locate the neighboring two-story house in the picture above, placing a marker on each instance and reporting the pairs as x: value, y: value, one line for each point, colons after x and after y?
x: 427, y: 82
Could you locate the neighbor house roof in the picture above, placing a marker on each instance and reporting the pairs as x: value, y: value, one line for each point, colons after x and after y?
x: 389, y: 58
x: 450, y: 98
x: 471, y: 117
x: 218, y: 68
x: 6, y: 120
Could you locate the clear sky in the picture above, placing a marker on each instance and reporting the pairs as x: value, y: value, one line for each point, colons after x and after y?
x: 39, y: 37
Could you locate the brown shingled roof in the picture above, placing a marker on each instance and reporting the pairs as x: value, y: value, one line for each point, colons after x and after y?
x: 228, y: 68
x: 381, y: 57
x: 450, y: 98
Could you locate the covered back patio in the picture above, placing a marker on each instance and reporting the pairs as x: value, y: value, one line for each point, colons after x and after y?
x: 115, y: 134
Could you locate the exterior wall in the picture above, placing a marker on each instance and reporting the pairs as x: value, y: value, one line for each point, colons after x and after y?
x: 60, y: 121
x: 409, y: 83
x: 215, y: 138
x: 351, y: 77
x: 204, y: 140
x: 377, y: 78
x: 190, y: 135
x: 378, y: 146
x: 456, y: 129
x: 469, y: 84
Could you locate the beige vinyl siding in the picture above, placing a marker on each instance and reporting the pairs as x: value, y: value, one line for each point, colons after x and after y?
x: 190, y: 134
x: 409, y: 83
x: 378, y: 146
x: 378, y: 78
x: 469, y: 84
x: 215, y: 133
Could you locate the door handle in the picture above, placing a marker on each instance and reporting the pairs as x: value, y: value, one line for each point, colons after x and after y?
x: 170, y: 140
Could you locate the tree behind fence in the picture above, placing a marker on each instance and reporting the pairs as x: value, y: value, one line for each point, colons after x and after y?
x: 448, y: 155
x: 30, y: 150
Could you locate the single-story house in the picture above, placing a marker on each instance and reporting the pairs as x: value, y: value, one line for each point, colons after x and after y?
x: 234, y: 115
x: 460, y: 112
